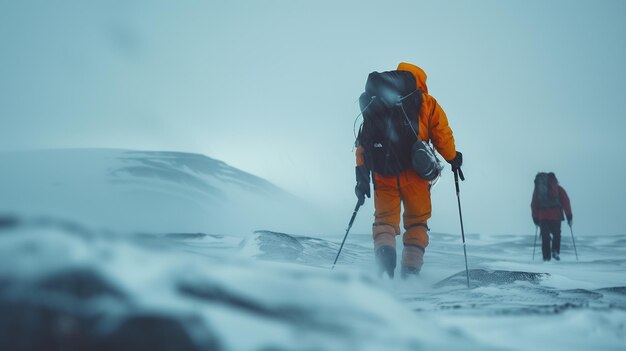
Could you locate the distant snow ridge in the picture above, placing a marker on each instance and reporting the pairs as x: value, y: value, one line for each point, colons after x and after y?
x: 145, y: 191
x: 190, y: 170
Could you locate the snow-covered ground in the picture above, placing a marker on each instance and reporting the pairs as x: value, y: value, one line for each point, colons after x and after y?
x: 61, y: 284
x: 67, y: 284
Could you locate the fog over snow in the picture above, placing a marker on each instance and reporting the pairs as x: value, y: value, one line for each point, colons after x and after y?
x: 271, y: 88
x: 157, y: 192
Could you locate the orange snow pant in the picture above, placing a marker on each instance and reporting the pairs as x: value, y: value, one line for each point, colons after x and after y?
x: 413, y: 193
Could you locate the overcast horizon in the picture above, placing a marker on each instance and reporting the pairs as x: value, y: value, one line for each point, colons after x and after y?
x: 271, y: 88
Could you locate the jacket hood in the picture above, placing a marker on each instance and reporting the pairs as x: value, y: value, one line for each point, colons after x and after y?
x: 418, y: 73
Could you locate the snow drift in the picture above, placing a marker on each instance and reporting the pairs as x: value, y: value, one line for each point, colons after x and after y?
x: 69, y: 288
x: 140, y: 191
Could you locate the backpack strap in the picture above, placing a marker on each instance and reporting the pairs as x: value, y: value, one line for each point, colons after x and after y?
x: 413, y: 123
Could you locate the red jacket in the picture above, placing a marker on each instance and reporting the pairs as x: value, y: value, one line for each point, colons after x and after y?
x: 555, y: 213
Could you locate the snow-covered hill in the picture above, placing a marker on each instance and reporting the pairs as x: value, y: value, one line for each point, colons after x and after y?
x: 139, y: 191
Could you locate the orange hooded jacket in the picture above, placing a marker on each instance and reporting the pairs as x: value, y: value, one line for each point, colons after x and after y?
x: 433, y: 123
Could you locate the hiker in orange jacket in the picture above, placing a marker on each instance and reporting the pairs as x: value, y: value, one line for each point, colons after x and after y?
x: 547, y: 213
x: 406, y: 188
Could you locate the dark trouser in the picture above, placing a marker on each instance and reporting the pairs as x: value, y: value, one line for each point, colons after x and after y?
x: 550, y: 227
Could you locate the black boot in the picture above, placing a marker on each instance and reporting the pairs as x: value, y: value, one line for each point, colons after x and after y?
x: 555, y: 255
x: 386, y: 259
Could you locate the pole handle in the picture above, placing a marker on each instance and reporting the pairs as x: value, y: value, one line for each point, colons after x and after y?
x: 458, y: 173
x: 461, y: 174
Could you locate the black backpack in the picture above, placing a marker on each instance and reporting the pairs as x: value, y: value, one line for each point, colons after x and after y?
x: 390, y: 106
x: 543, y: 196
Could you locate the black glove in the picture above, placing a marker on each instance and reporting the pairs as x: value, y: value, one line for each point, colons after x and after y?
x: 536, y: 221
x: 569, y: 220
x: 456, y: 162
x: 362, y: 188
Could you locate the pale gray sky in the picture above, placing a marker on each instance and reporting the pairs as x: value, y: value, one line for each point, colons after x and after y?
x: 271, y: 87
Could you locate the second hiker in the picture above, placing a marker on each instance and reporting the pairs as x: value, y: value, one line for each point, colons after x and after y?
x: 547, y: 206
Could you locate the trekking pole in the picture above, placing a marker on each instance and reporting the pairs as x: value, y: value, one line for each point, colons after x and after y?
x: 356, y: 209
x: 573, y: 241
x: 535, y: 245
x: 458, y: 199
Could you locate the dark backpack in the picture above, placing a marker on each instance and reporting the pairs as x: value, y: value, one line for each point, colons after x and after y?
x: 390, y: 106
x: 545, y: 194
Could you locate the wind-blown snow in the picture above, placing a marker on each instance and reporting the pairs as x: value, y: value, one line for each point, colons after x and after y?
x: 96, y: 283
x: 156, y: 279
